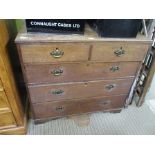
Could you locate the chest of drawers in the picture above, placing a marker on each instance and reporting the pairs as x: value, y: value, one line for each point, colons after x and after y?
x: 75, y: 74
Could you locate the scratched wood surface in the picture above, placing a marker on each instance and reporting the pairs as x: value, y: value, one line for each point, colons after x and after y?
x: 89, y: 35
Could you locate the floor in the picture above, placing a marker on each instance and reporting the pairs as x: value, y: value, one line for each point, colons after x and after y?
x: 131, y: 121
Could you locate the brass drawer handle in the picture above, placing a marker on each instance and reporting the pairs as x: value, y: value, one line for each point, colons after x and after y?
x: 114, y: 68
x: 57, y: 72
x: 59, y: 108
x: 57, y: 92
x: 57, y: 53
x: 1, y: 89
x: 119, y: 52
x: 109, y: 87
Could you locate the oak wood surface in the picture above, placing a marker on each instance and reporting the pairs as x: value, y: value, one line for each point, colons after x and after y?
x: 38, y: 53
x: 15, y: 130
x: 4, y: 104
x: 1, y: 86
x: 70, y: 107
x: 85, y: 72
x: 76, y: 72
x: 16, y: 115
x: 106, y: 51
x: 4, y: 35
x: 9, y: 85
x: 45, y: 93
x: 7, y: 120
x: 89, y: 36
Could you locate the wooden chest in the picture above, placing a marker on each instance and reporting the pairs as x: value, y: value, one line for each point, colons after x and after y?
x: 75, y: 74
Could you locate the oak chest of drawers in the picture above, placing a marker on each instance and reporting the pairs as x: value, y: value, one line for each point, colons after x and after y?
x: 75, y: 74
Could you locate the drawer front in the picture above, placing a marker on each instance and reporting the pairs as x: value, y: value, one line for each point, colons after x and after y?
x: 3, y: 101
x: 44, y: 53
x: 76, y: 72
x: 7, y: 120
x: 62, y: 108
x: 79, y: 90
x: 121, y: 51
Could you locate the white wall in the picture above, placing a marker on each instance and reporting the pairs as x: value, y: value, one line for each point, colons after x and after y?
x: 150, y: 96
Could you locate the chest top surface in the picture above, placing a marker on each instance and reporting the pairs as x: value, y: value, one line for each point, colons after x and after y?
x: 89, y: 36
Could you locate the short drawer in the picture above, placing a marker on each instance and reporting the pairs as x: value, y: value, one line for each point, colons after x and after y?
x: 3, y: 101
x: 44, y: 53
x: 119, y: 51
x: 52, y: 92
x: 70, y: 107
x: 76, y: 72
x: 7, y: 120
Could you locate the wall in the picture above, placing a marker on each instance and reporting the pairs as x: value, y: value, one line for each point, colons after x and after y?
x: 151, y: 92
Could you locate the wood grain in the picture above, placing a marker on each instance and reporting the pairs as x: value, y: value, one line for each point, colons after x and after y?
x: 106, y: 51
x: 10, y: 95
x: 4, y: 104
x: 7, y: 120
x: 89, y: 36
x: 44, y: 93
x: 76, y: 72
x: 40, y: 53
x: 10, y: 86
x: 1, y: 86
x: 70, y: 107
x: 85, y: 72
x: 15, y: 130
x: 4, y: 35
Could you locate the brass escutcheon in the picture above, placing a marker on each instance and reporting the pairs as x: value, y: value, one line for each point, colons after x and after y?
x: 119, y: 52
x: 110, y: 87
x: 57, y: 53
x: 57, y: 92
x: 57, y: 72
x: 114, y: 68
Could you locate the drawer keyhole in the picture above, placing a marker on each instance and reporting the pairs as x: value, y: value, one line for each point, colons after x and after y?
x: 114, y: 68
x: 59, y: 109
x: 105, y: 102
x: 110, y: 87
x: 57, y: 92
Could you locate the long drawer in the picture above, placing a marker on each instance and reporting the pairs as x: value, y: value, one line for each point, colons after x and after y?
x: 56, y: 52
x: 52, y: 92
x: 76, y: 72
x: 7, y: 120
x: 119, y: 51
x: 63, y: 108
